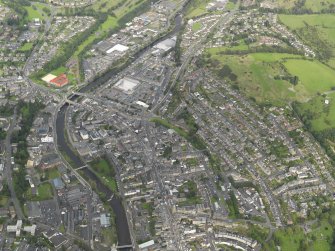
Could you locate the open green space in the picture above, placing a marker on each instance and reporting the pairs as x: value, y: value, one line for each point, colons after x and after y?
x: 196, y: 26
x: 26, y: 47
x: 109, y: 236
x: 189, y: 190
x: 300, y: 21
x: 103, y: 30
x: 320, y: 115
x: 3, y: 200
x: 318, y: 238
x: 313, y: 75
x: 316, y: 31
x: 44, y: 192
x: 197, y: 8
x: 33, y: 13
x: 266, y: 76
x: 105, y: 171
x: 52, y: 173
x: 317, y: 6
x: 256, y: 75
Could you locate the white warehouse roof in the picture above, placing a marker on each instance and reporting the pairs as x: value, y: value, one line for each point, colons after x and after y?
x: 118, y: 47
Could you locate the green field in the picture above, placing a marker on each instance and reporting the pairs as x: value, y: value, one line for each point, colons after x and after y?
x: 52, y: 173
x: 317, y: 6
x: 59, y: 71
x: 196, y: 26
x: 44, y: 193
x: 35, y: 11
x: 106, y: 173
x: 311, y: 5
x: 313, y: 75
x: 240, y: 47
x: 320, y: 115
x: 103, y: 30
x: 256, y: 76
x: 316, y: 31
x: 300, y: 21
x: 3, y: 200
x: 26, y: 47
x: 197, y: 8
x: 294, y: 238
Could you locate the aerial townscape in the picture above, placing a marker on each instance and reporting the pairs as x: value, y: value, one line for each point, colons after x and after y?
x: 172, y: 125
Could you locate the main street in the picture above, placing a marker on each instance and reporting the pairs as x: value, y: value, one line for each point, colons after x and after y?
x: 9, y: 166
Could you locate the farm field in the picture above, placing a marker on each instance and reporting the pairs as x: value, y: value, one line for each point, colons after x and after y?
x: 306, y: 70
x: 300, y: 21
x: 317, y: 31
x: 317, y: 6
x: 256, y: 76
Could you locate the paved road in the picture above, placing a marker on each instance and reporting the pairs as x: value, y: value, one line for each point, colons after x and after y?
x: 8, y: 169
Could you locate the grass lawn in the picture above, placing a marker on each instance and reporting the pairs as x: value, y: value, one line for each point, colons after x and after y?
x: 300, y: 21
x: 52, y: 173
x: 103, y: 6
x: 110, y: 23
x: 257, y: 71
x: 317, y: 31
x: 109, y: 236
x: 290, y: 238
x: 321, y: 116
x: 32, y: 13
x: 44, y: 193
x: 198, y: 7
x: 3, y: 201
x: 317, y: 6
x: 230, y: 5
x: 26, y: 47
x: 59, y: 71
x: 313, y: 75
x: 191, y: 162
x: 106, y: 173
x: 256, y: 76
x: 196, y: 26
x: 241, y: 47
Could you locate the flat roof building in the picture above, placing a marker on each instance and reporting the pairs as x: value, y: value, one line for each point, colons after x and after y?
x: 118, y: 47
x: 127, y: 85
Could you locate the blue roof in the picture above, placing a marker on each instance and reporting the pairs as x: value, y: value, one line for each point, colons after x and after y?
x: 58, y: 183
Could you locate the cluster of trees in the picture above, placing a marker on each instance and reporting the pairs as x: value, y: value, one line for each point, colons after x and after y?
x: 263, y: 48
x: 189, y: 189
x: 28, y: 112
x: 177, y: 50
x: 294, y: 80
x: 20, y: 19
x: 226, y: 72
x: 233, y: 206
x: 6, y: 110
x: 323, y: 137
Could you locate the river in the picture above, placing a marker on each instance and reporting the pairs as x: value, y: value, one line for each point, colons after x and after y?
x: 123, y: 233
